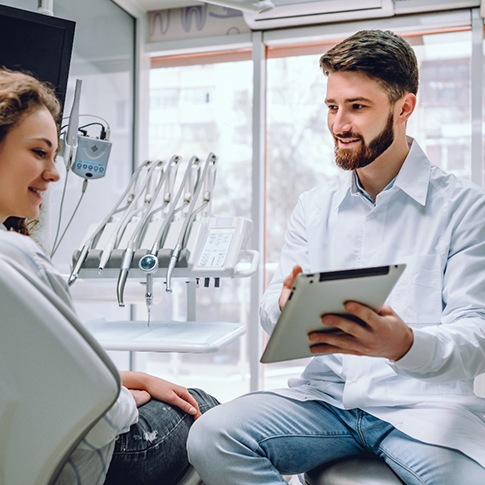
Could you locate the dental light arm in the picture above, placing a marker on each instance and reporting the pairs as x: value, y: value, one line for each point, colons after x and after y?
x: 71, y: 136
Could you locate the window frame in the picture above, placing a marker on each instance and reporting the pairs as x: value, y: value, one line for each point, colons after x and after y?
x: 266, y: 44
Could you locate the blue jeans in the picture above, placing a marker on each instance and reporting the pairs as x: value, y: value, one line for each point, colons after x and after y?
x: 154, y: 450
x: 259, y: 437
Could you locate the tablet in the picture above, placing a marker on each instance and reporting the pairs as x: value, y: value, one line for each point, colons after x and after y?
x: 316, y: 294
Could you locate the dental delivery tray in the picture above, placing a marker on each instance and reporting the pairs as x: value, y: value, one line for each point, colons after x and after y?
x: 215, y: 247
x: 164, y: 336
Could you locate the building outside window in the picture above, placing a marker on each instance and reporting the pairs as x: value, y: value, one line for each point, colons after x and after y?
x: 207, y: 112
x: 194, y: 110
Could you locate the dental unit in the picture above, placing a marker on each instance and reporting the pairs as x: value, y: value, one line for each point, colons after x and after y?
x: 162, y: 227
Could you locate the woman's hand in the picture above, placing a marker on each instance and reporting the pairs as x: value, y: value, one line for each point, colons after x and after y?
x: 145, y: 387
x: 140, y: 397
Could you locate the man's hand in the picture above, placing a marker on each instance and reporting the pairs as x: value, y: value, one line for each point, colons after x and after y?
x: 288, y: 285
x: 377, y: 334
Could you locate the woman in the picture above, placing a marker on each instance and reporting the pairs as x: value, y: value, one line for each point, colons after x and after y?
x: 142, y: 437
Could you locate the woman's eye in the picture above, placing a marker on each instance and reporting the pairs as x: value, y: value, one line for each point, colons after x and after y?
x: 39, y: 153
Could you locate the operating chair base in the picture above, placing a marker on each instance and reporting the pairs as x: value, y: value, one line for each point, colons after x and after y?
x: 362, y: 470
x: 190, y: 477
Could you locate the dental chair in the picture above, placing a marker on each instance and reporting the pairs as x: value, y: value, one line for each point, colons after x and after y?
x: 55, y: 381
x: 365, y: 469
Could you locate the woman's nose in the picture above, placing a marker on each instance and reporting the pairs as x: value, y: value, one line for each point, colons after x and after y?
x: 51, y: 174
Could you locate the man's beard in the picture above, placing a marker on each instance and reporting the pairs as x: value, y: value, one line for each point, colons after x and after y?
x: 350, y: 160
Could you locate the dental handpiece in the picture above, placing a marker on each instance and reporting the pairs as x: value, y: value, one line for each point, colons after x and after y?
x: 77, y: 267
x: 133, y: 243
x: 149, y: 265
x: 123, y: 276
x: 171, y: 266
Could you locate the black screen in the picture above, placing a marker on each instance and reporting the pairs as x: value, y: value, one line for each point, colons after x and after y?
x: 37, y: 43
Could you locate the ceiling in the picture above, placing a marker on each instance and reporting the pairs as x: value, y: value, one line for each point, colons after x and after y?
x: 148, y: 5
x: 162, y: 4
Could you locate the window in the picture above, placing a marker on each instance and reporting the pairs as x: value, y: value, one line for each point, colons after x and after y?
x: 195, y: 110
x: 442, y: 120
x: 301, y: 148
x: 298, y: 147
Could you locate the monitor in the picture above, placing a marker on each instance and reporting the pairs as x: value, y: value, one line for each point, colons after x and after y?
x: 37, y: 43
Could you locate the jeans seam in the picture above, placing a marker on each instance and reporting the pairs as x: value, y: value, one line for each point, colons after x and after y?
x: 360, y: 433
x: 303, y: 435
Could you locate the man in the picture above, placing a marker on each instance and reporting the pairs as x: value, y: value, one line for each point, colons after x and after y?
x: 401, y: 386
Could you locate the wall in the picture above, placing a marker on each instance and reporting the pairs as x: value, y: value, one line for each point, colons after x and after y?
x: 106, y: 69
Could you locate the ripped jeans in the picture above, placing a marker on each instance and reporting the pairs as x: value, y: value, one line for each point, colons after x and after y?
x: 154, y: 450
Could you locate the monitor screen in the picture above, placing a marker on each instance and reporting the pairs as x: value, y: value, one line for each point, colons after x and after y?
x: 37, y: 43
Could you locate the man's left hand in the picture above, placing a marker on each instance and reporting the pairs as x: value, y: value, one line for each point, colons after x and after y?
x: 375, y: 334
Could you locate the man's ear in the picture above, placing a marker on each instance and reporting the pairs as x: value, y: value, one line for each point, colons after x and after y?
x: 406, y: 106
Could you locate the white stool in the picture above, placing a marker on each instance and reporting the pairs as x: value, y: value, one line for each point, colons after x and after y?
x: 361, y: 469
x: 190, y: 477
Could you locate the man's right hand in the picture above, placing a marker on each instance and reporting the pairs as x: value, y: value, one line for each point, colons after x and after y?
x: 288, y: 285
